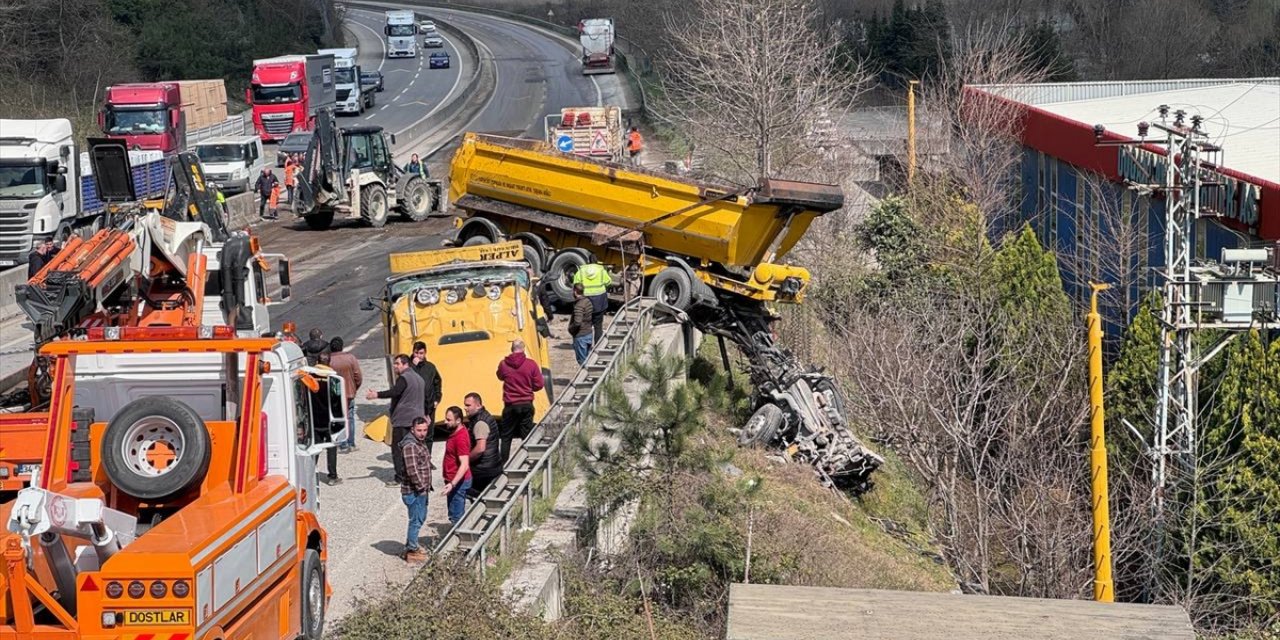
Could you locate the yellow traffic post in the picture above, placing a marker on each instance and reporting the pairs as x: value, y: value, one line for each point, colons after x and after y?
x: 1103, y: 588
x: 911, y: 130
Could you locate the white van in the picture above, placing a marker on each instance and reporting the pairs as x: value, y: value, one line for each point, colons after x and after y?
x: 233, y: 162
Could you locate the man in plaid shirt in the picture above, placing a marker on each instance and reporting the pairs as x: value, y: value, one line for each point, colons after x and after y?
x: 416, y: 485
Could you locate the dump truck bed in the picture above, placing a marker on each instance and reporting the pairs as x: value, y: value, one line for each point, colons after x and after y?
x: 736, y: 227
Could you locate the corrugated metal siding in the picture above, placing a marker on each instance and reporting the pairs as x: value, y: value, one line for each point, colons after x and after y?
x: 1054, y: 92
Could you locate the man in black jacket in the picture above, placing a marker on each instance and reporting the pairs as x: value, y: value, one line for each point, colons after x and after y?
x: 314, y: 346
x: 431, y: 391
x: 406, y: 404
x: 39, y: 257
x: 265, y: 183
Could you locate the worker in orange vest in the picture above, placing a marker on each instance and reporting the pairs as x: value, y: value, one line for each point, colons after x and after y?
x: 274, y: 201
x: 290, y: 168
x: 635, y: 144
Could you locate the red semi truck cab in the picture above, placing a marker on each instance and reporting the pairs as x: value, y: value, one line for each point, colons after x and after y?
x: 146, y: 115
x: 286, y: 92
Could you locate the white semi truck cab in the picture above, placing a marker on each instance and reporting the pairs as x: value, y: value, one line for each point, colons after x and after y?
x: 39, y: 184
x: 400, y: 29
x: 346, y: 81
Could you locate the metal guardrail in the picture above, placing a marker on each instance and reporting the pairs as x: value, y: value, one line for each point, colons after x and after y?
x: 491, y: 515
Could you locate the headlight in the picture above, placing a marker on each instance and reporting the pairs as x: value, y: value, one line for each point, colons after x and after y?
x: 451, y: 296
x: 427, y: 296
x: 494, y: 291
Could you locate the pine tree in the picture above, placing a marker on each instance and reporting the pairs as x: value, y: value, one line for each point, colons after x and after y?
x: 1239, y: 501
x: 1131, y: 384
x: 1045, y: 49
x: 1028, y: 284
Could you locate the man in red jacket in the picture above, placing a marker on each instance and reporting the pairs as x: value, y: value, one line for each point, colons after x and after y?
x: 521, y: 378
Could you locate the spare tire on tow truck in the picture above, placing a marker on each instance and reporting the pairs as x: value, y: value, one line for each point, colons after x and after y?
x: 156, y: 448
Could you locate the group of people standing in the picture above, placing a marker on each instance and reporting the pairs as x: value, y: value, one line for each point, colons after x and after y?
x: 476, y: 445
x: 267, y: 186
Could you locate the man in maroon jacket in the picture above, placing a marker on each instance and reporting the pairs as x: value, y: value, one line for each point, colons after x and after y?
x: 521, y: 378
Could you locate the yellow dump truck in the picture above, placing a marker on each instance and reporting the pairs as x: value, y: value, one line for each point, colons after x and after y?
x: 711, y: 250
x: 468, y: 305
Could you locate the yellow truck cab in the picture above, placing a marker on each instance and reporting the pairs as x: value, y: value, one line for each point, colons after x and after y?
x: 468, y: 305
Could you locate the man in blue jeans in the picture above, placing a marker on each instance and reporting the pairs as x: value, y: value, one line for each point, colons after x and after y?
x: 415, y: 486
x: 457, y: 463
x: 580, y: 324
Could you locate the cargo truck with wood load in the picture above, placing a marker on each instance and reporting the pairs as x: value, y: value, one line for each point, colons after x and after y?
x: 708, y: 249
x: 167, y: 116
x: 198, y: 515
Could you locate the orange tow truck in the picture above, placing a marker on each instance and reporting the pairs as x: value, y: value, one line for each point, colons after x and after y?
x: 199, y: 517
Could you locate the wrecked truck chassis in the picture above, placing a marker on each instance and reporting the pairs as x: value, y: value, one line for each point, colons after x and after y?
x: 814, y: 428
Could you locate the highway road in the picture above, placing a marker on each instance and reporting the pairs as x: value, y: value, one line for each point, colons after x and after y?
x: 333, y: 270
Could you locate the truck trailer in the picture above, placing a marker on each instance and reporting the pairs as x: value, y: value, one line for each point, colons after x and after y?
x: 287, y: 92
x: 47, y: 188
x: 167, y: 116
x: 711, y: 250
x: 596, y: 37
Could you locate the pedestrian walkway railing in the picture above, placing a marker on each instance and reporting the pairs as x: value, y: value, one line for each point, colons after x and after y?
x: 530, y: 474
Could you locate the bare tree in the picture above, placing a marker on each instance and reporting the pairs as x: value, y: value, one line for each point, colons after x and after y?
x: 754, y: 80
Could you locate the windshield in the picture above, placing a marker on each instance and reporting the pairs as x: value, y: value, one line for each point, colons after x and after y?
x: 21, y: 181
x: 276, y: 95
x: 344, y: 76
x: 122, y: 121
x: 400, y: 30
x: 467, y: 277
x: 220, y: 152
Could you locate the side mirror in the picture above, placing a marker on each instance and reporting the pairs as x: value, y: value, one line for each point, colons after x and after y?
x: 248, y: 96
x: 60, y: 183
x: 393, y: 138
x: 367, y: 304
x: 102, y: 120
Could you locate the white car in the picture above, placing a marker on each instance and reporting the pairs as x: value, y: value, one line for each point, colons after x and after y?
x: 432, y: 40
x: 426, y: 25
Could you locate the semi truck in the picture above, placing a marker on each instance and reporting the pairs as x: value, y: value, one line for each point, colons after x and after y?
x: 400, y: 28
x: 596, y: 37
x: 195, y: 513
x: 351, y: 98
x: 167, y: 116
x: 711, y: 250
x: 287, y: 92
x: 47, y: 188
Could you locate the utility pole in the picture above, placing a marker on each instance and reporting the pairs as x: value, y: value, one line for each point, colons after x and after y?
x: 1103, y: 588
x: 911, y: 130
x: 1196, y: 295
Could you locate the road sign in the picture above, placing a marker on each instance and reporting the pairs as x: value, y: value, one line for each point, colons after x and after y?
x: 599, y: 143
x: 564, y: 143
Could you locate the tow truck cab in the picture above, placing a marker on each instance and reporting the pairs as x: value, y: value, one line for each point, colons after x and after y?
x: 200, y: 519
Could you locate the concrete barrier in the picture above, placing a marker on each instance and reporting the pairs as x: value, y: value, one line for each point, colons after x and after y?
x: 242, y: 210
x: 9, y: 278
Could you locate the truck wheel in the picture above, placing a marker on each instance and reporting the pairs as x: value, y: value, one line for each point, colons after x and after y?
x: 415, y: 200
x: 312, y: 596
x: 155, y: 448
x: 319, y: 221
x: 373, y: 205
x: 762, y: 427
x: 563, y: 267
x: 63, y: 233
x: 535, y: 251
x: 672, y: 286
x: 475, y: 241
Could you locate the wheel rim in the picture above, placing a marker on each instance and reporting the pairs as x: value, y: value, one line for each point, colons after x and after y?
x: 315, y: 599
x: 669, y: 293
x: 153, y: 446
x: 418, y: 200
x: 379, y: 208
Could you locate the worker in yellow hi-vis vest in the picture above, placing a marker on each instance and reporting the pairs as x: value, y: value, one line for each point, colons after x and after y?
x: 595, y: 281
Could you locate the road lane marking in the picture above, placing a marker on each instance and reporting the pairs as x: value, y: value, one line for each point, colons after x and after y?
x: 382, y: 43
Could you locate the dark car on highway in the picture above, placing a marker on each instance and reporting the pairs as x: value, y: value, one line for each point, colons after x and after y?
x: 293, y: 143
x: 439, y: 60
x: 371, y: 79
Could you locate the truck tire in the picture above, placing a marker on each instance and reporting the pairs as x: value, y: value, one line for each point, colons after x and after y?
x: 373, y: 205
x: 562, y: 269
x: 319, y: 221
x: 414, y: 199
x: 762, y: 427
x: 535, y: 251
x: 672, y: 286
x: 313, y: 605
x: 81, y: 448
x: 155, y: 448
x: 475, y: 241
